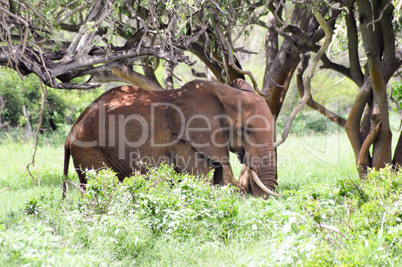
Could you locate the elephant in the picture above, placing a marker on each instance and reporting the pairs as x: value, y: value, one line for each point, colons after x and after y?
x: 193, y: 128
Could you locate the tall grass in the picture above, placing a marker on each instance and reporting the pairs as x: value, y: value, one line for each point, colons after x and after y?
x: 326, y: 217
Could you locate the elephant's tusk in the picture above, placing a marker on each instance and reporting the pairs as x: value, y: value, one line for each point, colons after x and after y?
x: 262, y: 186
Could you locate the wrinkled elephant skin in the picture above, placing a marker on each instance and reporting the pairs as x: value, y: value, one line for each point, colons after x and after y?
x: 194, y: 128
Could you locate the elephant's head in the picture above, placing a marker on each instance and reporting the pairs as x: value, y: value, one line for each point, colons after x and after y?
x: 215, y: 119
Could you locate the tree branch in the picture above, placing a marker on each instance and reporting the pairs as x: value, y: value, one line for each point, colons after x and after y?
x: 389, y: 63
x: 382, y: 155
x: 83, y: 40
x: 149, y: 71
x: 307, y: 80
x: 363, y: 159
x: 352, y: 125
x: 34, y: 62
x: 277, y: 75
x: 105, y: 76
x: 137, y: 79
x: 328, y: 64
x: 232, y: 64
x: 169, y: 67
x: 41, y: 114
x: 316, y: 106
x: 200, y: 51
x: 356, y: 73
x: 69, y: 13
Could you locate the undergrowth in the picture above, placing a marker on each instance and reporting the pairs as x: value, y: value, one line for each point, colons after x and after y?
x: 165, y: 218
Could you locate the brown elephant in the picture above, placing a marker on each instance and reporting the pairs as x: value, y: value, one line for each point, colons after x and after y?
x: 194, y: 128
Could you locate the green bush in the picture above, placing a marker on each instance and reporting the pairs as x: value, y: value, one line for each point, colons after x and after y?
x: 101, y: 189
x: 61, y: 106
x: 307, y: 122
x: 397, y: 93
x: 170, y: 203
x: 163, y: 217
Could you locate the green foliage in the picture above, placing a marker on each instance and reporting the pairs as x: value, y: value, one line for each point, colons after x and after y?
x: 32, y: 206
x: 101, y: 189
x: 61, y: 106
x: 170, y: 203
x: 397, y: 92
x: 307, y: 122
x: 163, y: 218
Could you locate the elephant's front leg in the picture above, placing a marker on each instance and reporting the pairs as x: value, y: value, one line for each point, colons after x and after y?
x: 228, y: 178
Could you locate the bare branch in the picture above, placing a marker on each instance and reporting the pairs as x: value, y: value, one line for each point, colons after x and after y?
x: 56, y: 69
x: 169, y: 67
x: 316, y: 106
x: 228, y: 48
x: 307, y: 80
x: 70, y: 13
x: 96, y: 14
x: 136, y: 78
x: 383, y: 11
x: 332, y: 228
x: 41, y: 115
x: 106, y: 76
x: 212, y: 65
x: 253, y: 15
x: 30, y: 7
x: 4, y: 189
x: 25, y: 24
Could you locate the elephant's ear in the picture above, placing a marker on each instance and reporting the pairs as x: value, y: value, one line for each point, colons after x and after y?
x: 195, y: 116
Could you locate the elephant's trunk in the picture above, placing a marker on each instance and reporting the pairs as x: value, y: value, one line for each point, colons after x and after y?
x: 264, y: 178
x: 262, y: 186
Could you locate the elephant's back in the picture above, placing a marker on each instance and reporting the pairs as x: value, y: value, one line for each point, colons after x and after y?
x: 122, y: 121
x: 123, y: 100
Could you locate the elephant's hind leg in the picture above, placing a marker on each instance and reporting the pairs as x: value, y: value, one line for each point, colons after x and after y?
x: 87, y: 159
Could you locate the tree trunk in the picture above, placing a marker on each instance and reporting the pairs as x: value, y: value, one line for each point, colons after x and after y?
x: 368, y: 121
x: 379, y: 116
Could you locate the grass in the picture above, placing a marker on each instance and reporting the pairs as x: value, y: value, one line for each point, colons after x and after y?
x: 327, y: 216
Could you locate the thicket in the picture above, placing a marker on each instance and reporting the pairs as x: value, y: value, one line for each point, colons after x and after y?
x: 62, y: 107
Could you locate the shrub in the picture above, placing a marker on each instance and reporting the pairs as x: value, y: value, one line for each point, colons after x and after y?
x: 61, y: 106
x: 170, y: 203
x: 162, y: 217
x: 307, y: 122
x: 101, y: 189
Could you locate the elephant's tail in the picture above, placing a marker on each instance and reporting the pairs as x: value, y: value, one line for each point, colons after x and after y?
x: 66, y: 157
x: 67, y: 154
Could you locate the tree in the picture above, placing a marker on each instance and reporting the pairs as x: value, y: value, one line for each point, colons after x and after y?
x: 60, y: 40
x: 368, y: 122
